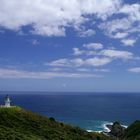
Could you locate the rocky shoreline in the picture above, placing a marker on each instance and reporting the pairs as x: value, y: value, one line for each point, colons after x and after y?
x: 116, y: 130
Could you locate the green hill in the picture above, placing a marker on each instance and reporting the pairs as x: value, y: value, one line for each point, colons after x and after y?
x: 19, y: 124
x: 133, y: 131
x: 120, y: 133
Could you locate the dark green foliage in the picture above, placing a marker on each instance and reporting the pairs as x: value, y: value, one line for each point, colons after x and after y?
x: 19, y: 124
x: 133, y: 131
x: 117, y: 130
x: 116, y: 123
x: 52, y: 119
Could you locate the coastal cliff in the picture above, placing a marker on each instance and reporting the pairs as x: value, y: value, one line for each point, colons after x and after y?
x: 119, y: 132
x: 133, y: 131
x: 19, y: 124
x: 116, y: 130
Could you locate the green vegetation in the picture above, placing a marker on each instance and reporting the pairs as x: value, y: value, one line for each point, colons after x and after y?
x: 117, y: 130
x: 19, y: 124
x: 120, y: 133
x: 133, y: 131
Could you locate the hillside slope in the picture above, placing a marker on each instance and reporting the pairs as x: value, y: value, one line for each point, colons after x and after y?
x: 133, y: 131
x: 19, y: 124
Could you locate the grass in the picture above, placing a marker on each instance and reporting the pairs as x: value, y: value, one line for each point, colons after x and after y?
x: 133, y: 131
x: 19, y: 124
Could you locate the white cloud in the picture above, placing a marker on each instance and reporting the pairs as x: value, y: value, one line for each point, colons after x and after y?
x: 66, y: 62
x: 117, y: 54
x: 135, y: 70
x: 125, y: 27
x: 59, y: 63
x: 101, y: 70
x: 97, y: 61
x: 132, y: 11
x: 95, y: 46
x: 10, y: 73
x: 77, y: 51
x: 86, y: 33
x: 93, y: 55
x: 91, y: 52
x: 83, y: 69
x: 96, y: 50
x: 128, y: 42
x: 102, y: 9
x: 51, y: 17
x: 120, y: 35
x: 35, y: 42
x: 78, y: 62
x: 93, y: 70
x: 49, y: 30
x: 117, y: 28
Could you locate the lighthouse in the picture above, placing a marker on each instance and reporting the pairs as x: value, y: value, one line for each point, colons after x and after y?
x: 7, y: 101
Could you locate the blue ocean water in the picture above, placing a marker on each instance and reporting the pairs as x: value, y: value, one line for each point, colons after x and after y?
x: 89, y: 111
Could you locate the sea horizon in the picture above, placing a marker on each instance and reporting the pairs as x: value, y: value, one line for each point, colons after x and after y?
x: 67, y: 92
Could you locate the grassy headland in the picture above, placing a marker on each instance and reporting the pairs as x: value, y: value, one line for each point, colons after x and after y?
x: 19, y: 124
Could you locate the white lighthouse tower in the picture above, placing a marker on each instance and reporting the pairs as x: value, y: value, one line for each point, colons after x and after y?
x: 7, y: 101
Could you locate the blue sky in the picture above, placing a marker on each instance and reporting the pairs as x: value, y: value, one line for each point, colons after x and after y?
x: 72, y: 45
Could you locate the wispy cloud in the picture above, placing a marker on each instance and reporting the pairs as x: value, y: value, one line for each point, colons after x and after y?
x: 77, y: 52
x: 116, y: 28
x: 13, y: 73
x: 129, y: 42
x: 35, y: 42
x: 101, y: 70
x: 134, y: 70
x: 97, y: 61
x: 88, y: 49
x: 97, y: 49
x: 117, y: 54
x: 94, y: 46
x: 93, y: 55
x: 78, y: 62
x: 86, y: 33
x: 126, y: 26
x: 97, y: 70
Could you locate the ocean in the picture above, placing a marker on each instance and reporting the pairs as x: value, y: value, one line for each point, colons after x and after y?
x: 91, y: 111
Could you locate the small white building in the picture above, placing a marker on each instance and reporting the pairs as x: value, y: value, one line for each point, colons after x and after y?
x: 7, y: 101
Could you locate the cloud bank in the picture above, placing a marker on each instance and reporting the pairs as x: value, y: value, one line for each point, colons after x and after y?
x: 51, y: 17
x: 14, y: 73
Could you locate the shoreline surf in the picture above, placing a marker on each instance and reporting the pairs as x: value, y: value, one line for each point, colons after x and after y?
x: 104, y: 128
